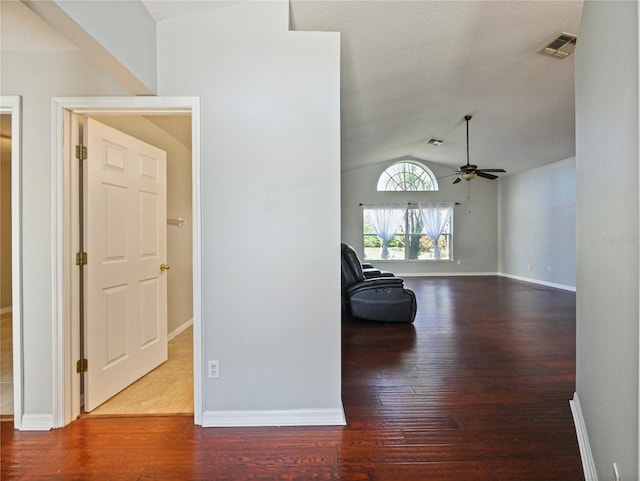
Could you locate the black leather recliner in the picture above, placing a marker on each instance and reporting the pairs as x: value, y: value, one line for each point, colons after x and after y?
x: 381, y: 298
x: 370, y: 271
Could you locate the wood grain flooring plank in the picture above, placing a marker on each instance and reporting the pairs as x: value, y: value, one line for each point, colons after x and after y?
x: 476, y: 389
x: 553, y: 469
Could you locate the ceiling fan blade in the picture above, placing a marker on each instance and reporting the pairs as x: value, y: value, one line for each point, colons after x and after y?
x: 458, y: 179
x: 480, y: 173
x: 490, y: 170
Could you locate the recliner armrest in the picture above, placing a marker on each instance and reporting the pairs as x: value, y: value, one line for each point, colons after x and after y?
x: 371, y: 272
x: 374, y: 272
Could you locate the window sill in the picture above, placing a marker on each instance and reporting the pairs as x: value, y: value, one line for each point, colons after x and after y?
x: 411, y: 261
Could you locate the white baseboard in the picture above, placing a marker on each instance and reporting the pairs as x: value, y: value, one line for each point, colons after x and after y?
x: 179, y: 329
x: 293, y: 417
x: 6, y: 310
x: 588, y: 464
x: 502, y: 274
x: 445, y: 274
x: 36, y: 422
x: 537, y: 281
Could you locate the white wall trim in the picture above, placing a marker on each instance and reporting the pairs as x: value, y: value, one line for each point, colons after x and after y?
x: 501, y: 274
x: 13, y: 104
x: 588, y: 463
x: 537, y: 281
x: 445, y: 274
x: 179, y: 329
x: 65, y: 388
x: 37, y: 422
x: 6, y: 310
x: 293, y: 417
x: 638, y: 404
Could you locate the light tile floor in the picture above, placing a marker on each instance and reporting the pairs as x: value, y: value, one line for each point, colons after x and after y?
x: 168, y: 389
x: 6, y: 365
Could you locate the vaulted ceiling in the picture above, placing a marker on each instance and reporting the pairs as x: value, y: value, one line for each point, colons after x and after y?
x: 411, y: 71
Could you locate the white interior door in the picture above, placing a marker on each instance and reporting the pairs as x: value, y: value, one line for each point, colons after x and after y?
x: 125, y: 327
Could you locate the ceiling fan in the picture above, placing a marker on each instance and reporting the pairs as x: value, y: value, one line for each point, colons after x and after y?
x: 470, y: 171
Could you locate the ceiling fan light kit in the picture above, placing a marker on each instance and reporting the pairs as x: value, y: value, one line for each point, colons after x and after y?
x: 470, y: 171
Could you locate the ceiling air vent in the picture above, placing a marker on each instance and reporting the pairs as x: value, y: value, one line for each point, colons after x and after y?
x: 561, y: 47
x: 435, y: 142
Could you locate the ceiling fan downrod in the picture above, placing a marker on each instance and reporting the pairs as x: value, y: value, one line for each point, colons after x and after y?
x: 467, y: 118
x: 467, y: 171
x: 471, y: 171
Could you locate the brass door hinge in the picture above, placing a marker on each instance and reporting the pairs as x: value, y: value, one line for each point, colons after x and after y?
x: 81, y: 258
x: 82, y: 365
x: 81, y: 152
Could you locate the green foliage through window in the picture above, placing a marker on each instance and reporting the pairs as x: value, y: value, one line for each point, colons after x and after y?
x: 409, y: 243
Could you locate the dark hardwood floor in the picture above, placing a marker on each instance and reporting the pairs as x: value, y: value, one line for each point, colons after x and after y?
x: 477, y: 389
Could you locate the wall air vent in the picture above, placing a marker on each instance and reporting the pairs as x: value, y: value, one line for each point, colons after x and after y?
x: 561, y: 47
x: 435, y: 142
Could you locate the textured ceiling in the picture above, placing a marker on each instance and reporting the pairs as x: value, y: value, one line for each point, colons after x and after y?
x: 411, y: 70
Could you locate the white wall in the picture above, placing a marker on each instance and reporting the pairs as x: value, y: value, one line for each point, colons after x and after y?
x: 270, y: 183
x: 475, y: 220
x: 270, y: 129
x: 537, y: 218
x: 179, y: 240
x: 118, y: 36
x: 39, y: 76
x: 607, y: 233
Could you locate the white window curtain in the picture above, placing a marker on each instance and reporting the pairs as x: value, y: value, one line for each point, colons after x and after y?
x: 434, y: 218
x: 385, y: 223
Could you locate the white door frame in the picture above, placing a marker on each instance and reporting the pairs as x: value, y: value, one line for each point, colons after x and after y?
x: 12, y: 104
x: 66, y: 382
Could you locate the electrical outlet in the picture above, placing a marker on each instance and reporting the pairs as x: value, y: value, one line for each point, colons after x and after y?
x: 214, y: 369
x: 459, y: 261
x: 616, y: 474
x: 531, y: 267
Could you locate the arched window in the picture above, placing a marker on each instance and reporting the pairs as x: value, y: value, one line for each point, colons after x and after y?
x: 407, y: 175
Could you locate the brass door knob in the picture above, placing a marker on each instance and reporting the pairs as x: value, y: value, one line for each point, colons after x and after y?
x: 164, y: 267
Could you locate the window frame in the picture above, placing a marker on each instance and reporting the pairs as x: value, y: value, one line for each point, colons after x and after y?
x: 391, y: 171
x: 403, y: 232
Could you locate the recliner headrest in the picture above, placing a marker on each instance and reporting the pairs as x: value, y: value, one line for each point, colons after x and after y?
x: 351, y: 262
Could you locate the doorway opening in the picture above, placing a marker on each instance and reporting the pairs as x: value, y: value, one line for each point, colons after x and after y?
x: 156, y: 375
x: 6, y: 327
x: 11, y: 138
x: 134, y: 116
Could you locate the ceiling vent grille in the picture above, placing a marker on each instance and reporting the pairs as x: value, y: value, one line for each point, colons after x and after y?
x: 561, y: 47
x: 435, y: 142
